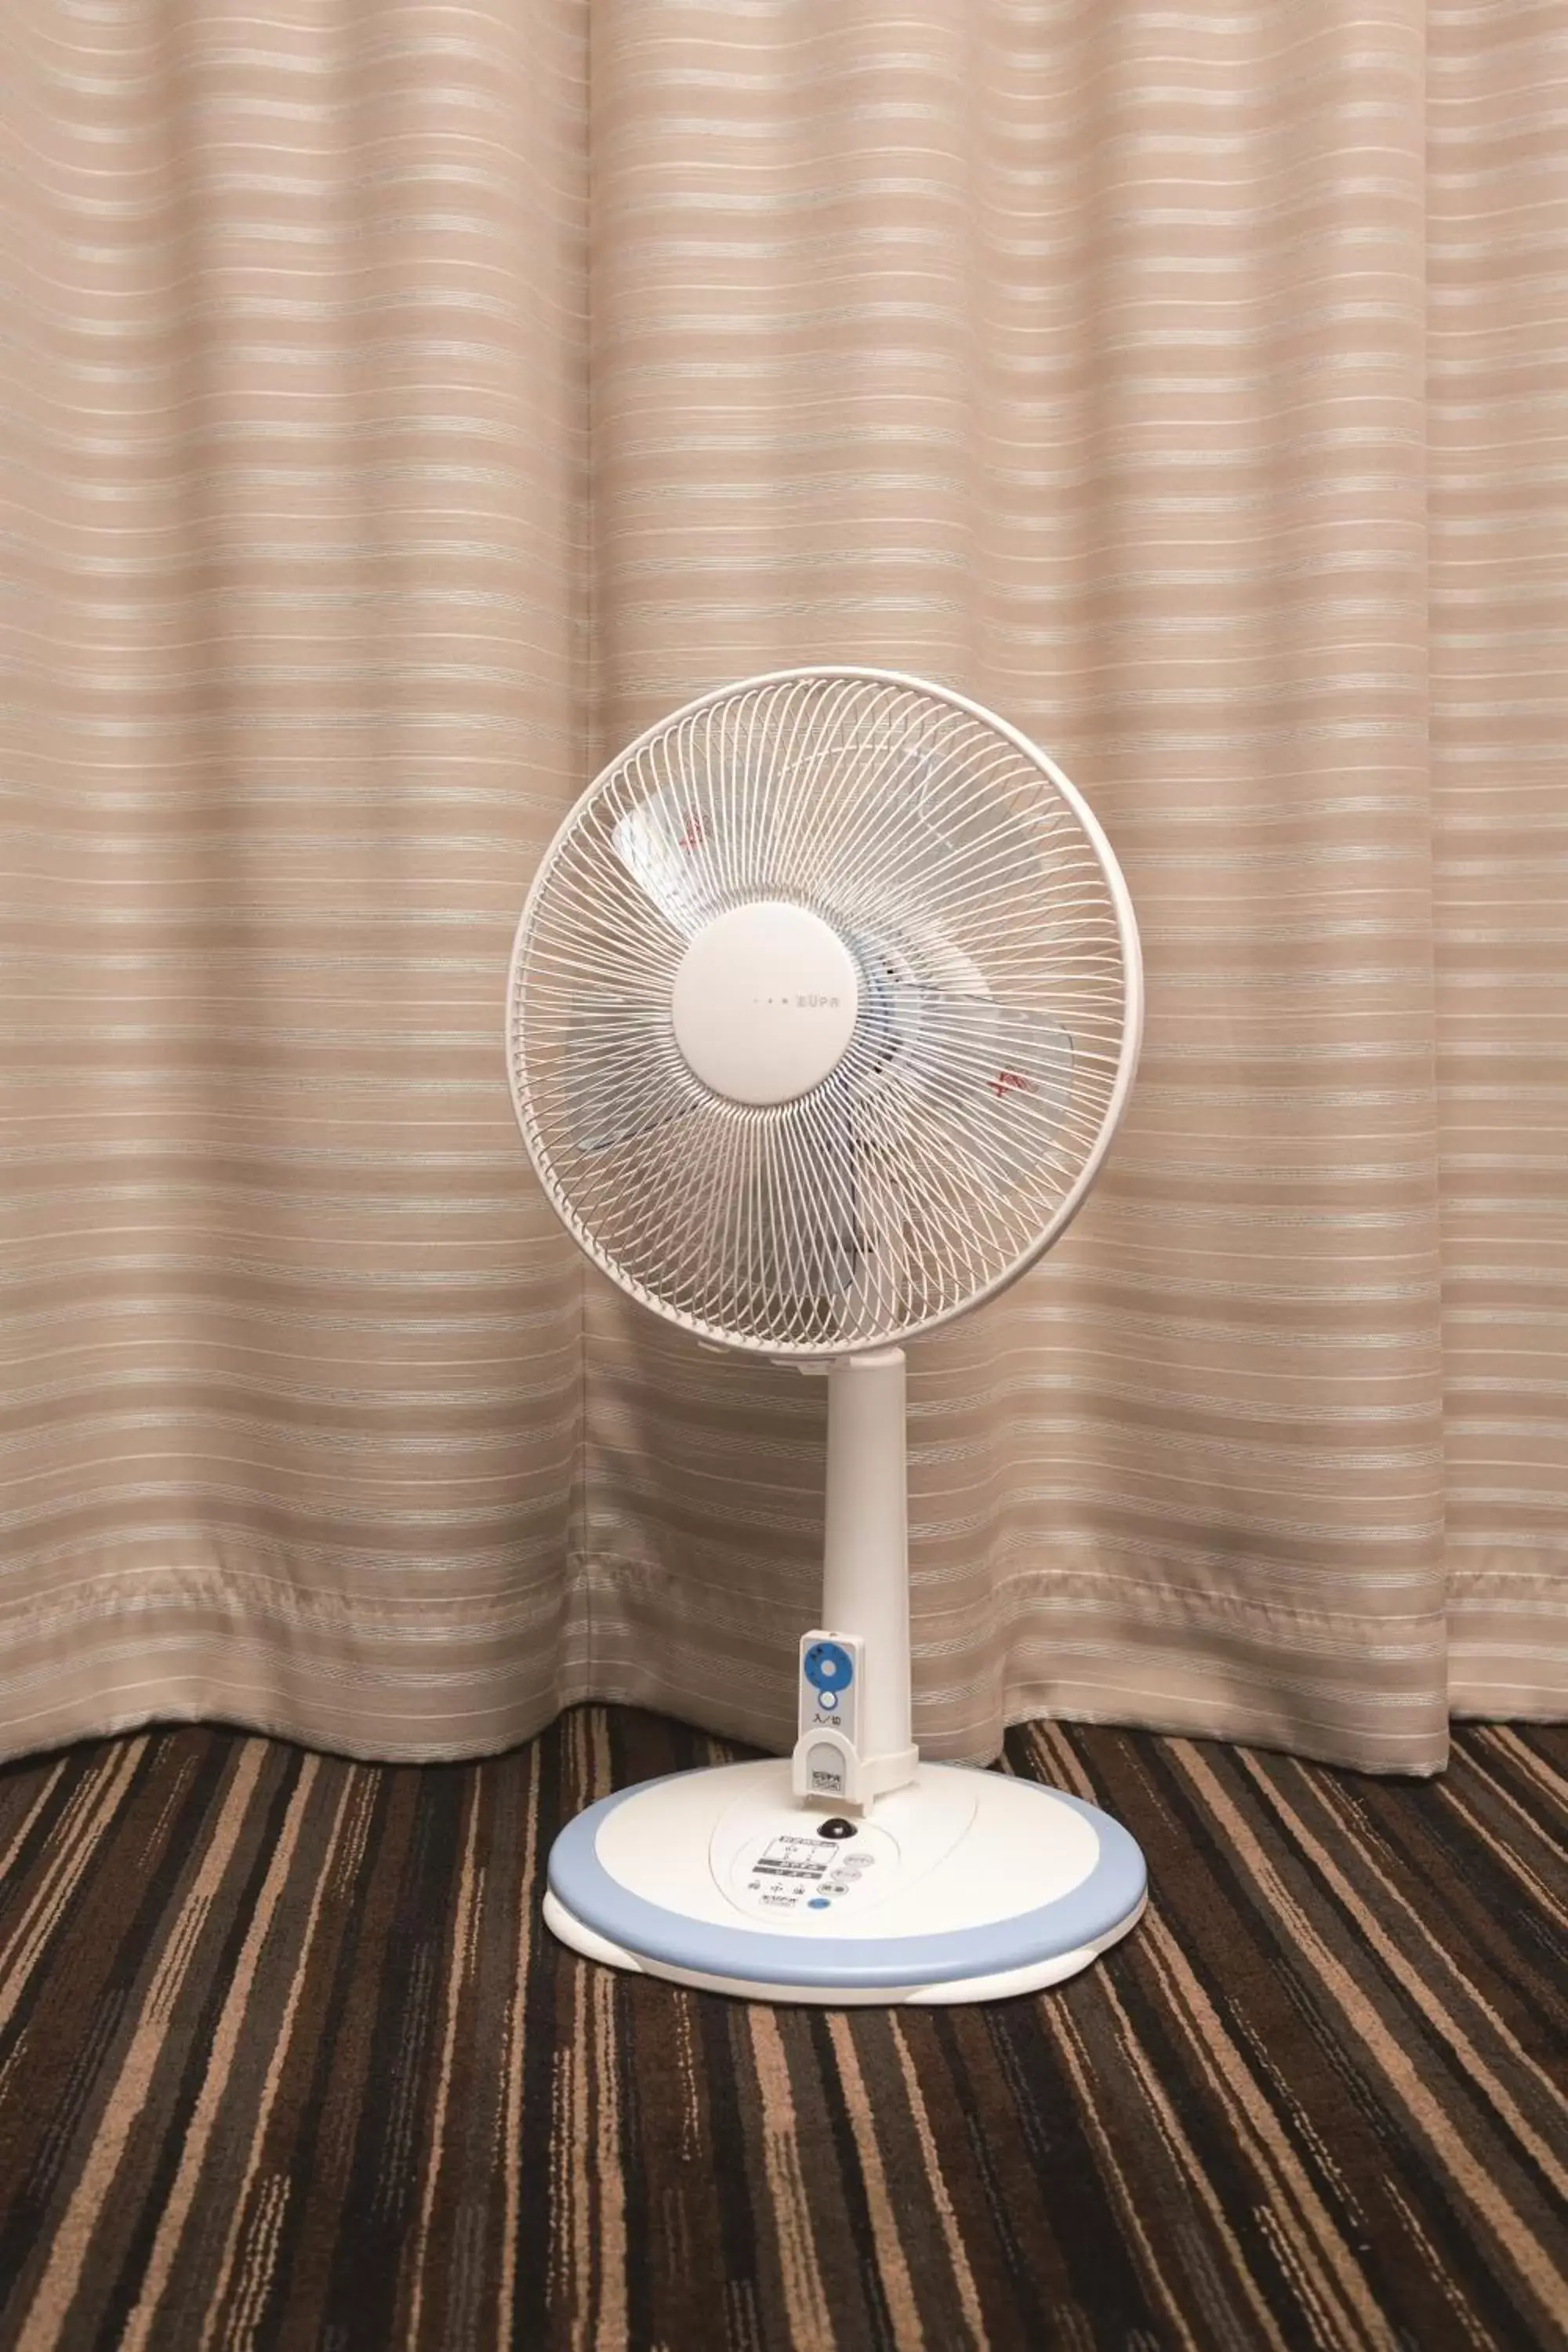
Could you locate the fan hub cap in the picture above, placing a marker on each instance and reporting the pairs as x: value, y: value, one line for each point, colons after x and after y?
x: 765, y: 1002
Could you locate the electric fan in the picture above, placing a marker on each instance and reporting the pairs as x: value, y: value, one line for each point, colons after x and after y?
x: 824, y: 1007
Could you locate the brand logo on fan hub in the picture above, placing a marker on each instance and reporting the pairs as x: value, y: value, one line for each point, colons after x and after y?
x: 811, y: 1003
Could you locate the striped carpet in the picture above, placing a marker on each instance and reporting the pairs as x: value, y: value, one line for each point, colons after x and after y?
x: 287, y: 2061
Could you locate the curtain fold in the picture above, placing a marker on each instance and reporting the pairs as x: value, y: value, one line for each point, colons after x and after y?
x: 403, y: 404
x: 292, y: 461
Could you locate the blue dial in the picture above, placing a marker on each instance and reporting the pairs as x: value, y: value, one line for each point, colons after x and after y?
x: 830, y: 1670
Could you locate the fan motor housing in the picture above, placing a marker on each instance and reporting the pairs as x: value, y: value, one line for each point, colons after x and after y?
x: 766, y: 1001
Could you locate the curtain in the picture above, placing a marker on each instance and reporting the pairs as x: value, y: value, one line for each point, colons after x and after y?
x: 401, y: 405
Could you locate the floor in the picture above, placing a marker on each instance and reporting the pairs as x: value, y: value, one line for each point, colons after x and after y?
x: 287, y: 2061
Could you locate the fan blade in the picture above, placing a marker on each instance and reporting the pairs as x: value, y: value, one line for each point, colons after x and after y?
x: 953, y: 847
x: 613, y: 1101
x: 807, y: 1211
x: 1003, y: 1073
x: 666, y: 846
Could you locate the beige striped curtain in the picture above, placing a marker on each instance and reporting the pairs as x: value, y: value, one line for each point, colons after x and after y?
x: 399, y: 404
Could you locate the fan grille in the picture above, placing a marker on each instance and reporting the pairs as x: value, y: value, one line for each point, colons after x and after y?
x: 995, y: 1045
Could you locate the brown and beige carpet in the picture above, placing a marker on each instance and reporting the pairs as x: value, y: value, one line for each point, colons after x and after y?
x: 287, y: 2061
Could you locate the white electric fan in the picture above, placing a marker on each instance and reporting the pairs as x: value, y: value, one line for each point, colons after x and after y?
x: 824, y: 1008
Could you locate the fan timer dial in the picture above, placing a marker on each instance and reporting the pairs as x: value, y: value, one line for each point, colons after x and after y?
x: 830, y: 1670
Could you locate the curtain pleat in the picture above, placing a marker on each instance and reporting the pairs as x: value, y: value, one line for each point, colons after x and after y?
x: 1496, y: 430
x: 293, y: 467
x: 403, y: 404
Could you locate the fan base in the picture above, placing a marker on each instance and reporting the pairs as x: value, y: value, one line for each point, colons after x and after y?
x: 964, y: 1886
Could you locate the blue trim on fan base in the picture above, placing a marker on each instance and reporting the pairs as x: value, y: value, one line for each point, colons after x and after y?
x: 1086, y: 1914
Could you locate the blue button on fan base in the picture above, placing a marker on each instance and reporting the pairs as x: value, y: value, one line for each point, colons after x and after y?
x: 1099, y: 1903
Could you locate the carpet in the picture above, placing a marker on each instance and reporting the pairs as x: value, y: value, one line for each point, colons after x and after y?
x: 287, y: 2061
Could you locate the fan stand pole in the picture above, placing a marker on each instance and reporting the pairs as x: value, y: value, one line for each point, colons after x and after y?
x: 866, y: 1565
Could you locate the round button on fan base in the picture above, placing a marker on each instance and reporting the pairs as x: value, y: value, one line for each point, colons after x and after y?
x: 973, y: 1886
x: 765, y: 1002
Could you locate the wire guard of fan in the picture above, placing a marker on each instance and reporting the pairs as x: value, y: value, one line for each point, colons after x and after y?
x: 1000, y: 1000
